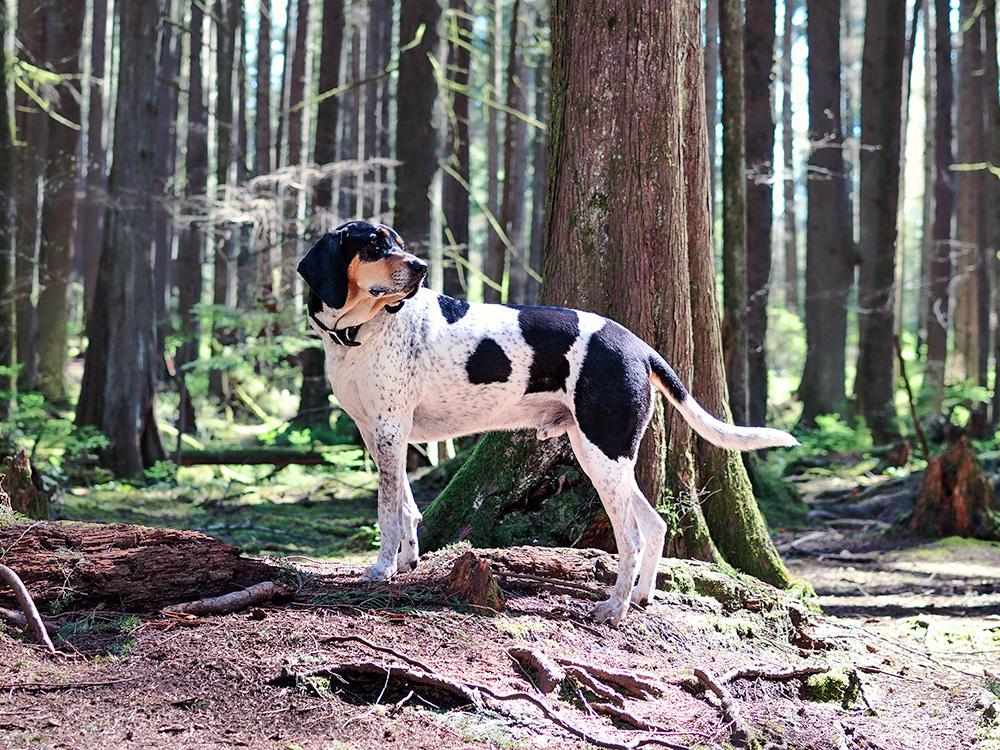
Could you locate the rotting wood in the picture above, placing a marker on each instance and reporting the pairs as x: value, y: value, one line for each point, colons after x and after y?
x: 231, y: 602
x: 546, y: 674
x: 471, y: 580
x: 27, y: 605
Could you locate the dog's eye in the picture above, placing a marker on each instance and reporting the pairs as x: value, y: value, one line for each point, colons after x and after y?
x: 378, y: 291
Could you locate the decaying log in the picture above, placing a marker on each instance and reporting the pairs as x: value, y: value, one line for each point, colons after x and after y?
x: 544, y: 672
x: 471, y: 580
x: 128, y: 568
x: 22, y: 485
x: 267, y: 455
x: 956, y: 498
x: 24, y: 601
x: 232, y: 602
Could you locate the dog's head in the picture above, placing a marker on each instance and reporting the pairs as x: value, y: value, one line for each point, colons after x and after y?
x: 356, y: 270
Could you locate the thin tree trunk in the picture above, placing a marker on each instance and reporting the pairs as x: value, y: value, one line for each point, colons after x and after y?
x: 287, y: 53
x: 262, y: 142
x: 790, y: 218
x: 386, y: 129
x: 515, y: 158
x: 829, y: 252
x: 759, y: 115
x: 89, y: 231
x: 991, y: 82
x: 539, y: 162
x: 325, y: 150
x: 63, y: 40
x: 493, y: 258
x: 455, y: 194
x: 938, y: 312
x: 612, y: 113
x: 190, y: 251
x: 296, y: 98
x: 734, y: 207
x: 881, y: 138
x: 712, y: 91
x: 246, y: 270
x: 377, y: 52
x: 927, y: 219
x: 967, y: 254
x: 118, y: 381
x: 416, y: 137
x: 8, y: 323
x: 32, y: 130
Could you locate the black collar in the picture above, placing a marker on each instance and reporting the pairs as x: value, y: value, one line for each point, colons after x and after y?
x: 349, y: 336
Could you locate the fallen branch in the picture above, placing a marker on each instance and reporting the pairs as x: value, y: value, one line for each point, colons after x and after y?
x: 762, y: 674
x: 738, y: 729
x: 549, y: 674
x: 18, y: 620
x: 24, y: 601
x: 375, y: 647
x: 228, y: 603
x: 635, y: 685
x: 594, y: 685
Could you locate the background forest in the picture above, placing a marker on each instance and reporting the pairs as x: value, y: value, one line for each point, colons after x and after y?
x: 796, y: 202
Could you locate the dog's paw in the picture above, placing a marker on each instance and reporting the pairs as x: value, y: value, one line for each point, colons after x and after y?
x: 610, y: 611
x: 378, y: 572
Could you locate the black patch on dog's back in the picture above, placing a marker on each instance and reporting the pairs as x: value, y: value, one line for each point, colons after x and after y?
x: 452, y: 309
x: 488, y: 364
x: 612, y: 393
x: 550, y: 332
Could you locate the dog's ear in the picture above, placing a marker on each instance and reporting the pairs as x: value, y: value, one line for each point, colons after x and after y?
x: 325, y: 271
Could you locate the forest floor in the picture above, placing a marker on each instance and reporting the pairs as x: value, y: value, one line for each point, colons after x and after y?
x: 909, y: 639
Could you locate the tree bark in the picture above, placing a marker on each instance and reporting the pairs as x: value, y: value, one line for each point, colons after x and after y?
x: 287, y: 52
x: 493, y: 259
x: 64, y: 36
x: 262, y: 113
x: 789, y: 216
x: 881, y: 136
x: 325, y: 150
x: 455, y: 194
x: 539, y: 165
x: 350, y: 134
x: 622, y: 143
x: 32, y: 130
x: 927, y: 199
x: 969, y: 263
x: 416, y: 137
x: 712, y: 90
x: 734, y: 208
x: 829, y: 251
x: 118, y: 381
x: 246, y: 267
x: 91, y: 222
x: 992, y: 84
x: 938, y: 312
x: 378, y: 48
x: 126, y: 568
x: 515, y: 157
x: 8, y: 322
x: 759, y: 118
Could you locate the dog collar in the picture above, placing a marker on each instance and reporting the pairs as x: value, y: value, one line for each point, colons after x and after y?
x: 349, y: 336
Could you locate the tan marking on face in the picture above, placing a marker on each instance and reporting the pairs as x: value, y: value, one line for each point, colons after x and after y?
x: 360, y: 305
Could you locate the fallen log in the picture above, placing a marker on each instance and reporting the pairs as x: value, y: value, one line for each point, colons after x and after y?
x: 128, y: 568
x: 256, y: 456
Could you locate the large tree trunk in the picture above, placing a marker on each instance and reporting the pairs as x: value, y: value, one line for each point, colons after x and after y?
x: 125, y: 568
x: 190, y: 251
x: 227, y: 19
x: 455, y: 189
x: 8, y: 323
x: 416, y: 137
x: 64, y: 37
x: 325, y: 150
x: 91, y: 221
x: 939, y: 296
x: 607, y: 147
x: 515, y: 166
x: 32, y: 130
x: 734, y: 207
x: 829, y: 252
x: 881, y: 102
x: 118, y: 381
x: 759, y: 116
x: 967, y: 253
x: 789, y: 214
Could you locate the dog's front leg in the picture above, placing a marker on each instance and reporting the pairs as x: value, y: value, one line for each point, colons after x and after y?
x: 389, y: 446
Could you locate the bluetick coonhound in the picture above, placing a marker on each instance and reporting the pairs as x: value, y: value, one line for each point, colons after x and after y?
x: 413, y: 366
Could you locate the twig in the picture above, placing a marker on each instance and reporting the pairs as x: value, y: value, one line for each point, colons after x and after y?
x: 375, y: 647
x: 27, y: 606
x: 739, y: 731
x: 909, y: 397
x: 228, y: 603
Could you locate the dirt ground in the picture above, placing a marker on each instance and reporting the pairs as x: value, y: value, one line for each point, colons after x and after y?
x: 909, y: 643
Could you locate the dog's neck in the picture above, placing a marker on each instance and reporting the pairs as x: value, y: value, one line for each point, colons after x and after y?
x: 349, y: 336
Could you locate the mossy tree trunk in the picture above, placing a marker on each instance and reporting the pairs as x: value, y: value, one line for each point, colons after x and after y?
x: 628, y: 235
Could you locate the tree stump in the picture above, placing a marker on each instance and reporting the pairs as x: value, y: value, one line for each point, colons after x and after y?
x: 956, y: 498
x: 127, y: 568
x: 471, y: 580
x: 24, y: 489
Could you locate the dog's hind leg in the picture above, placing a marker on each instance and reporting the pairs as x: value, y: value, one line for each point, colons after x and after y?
x: 654, y: 531
x: 615, y: 483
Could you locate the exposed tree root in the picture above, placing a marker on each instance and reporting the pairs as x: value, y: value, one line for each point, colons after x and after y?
x: 547, y: 675
x: 24, y: 601
x: 633, y: 684
x: 228, y: 603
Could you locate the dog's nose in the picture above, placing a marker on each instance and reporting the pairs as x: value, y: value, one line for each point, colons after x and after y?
x: 417, y: 266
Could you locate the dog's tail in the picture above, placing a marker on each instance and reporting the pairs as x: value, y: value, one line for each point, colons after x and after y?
x: 711, y: 429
